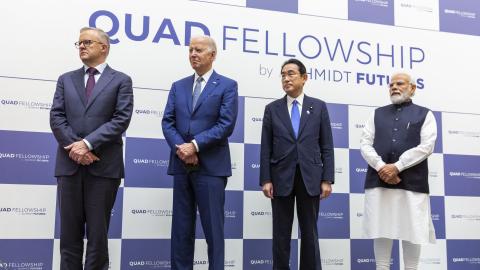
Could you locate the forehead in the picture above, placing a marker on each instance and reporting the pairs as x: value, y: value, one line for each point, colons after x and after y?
x: 88, y: 34
x: 289, y: 67
x: 400, y: 77
x: 198, y: 42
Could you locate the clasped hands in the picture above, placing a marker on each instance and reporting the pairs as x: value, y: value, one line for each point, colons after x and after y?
x: 389, y: 174
x: 187, y: 153
x: 79, y: 152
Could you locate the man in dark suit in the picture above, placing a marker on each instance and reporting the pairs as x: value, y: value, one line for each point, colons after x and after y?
x: 198, y: 119
x: 296, y: 163
x: 91, y: 109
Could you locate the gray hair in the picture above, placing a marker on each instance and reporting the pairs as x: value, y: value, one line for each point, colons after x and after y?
x: 104, y: 38
x: 212, y: 46
x: 411, y: 79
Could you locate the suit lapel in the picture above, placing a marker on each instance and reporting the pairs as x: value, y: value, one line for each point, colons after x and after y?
x: 189, y: 92
x: 78, y: 78
x: 104, y: 79
x: 282, y: 111
x: 307, y: 104
x: 213, y: 82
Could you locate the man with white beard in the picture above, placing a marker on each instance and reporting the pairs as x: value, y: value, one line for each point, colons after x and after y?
x: 396, y: 141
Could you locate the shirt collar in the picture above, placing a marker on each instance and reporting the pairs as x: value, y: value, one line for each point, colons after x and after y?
x: 205, y: 76
x: 100, y: 68
x: 299, y: 99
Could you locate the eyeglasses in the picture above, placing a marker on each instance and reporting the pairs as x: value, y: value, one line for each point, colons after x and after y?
x: 289, y: 74
x: 86, y: 43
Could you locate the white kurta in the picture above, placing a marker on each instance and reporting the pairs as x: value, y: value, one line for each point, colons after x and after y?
x: 398, y: 213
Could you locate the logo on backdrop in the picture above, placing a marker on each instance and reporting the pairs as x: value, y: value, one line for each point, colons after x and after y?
x: 466, y: 217
x: 25, y: 157
x: 149, y: 264
x: 26, y: 104
x: 148, y: 112
x: 377, y: 3
x: 152, y: 212
x: 430, y: 261
x: 22, y: 265
x: 259, y: 41
x: 24, y: 211
x: 461, y: 13
x: 427, y: 9
x: 333, y: 261
x: 151, y: 162
x: 472, y: 175
x: 230, y: 264
x: 465, y: 133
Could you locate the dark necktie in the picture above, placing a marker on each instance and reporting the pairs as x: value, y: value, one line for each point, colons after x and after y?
x: 295, y: 117
x: 197, y: 91
x: 90, y: 82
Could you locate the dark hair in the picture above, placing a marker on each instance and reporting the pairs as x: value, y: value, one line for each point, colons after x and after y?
x: 300, y: 65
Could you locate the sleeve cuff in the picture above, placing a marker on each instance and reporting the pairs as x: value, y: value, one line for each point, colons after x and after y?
x: 88, y: 145
x: 196, y: 145
x: 399, y: 166
x: 379, y: 165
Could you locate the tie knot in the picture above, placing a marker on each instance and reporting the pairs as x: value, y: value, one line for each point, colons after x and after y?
x: 294, y: 102
x: 199, y: 79
x: 92, y: 71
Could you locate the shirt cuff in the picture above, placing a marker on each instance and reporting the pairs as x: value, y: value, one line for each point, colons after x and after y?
x: 88, y: 145
x: 399, y: 166
x: 379, y: 165
x: 196, y: 145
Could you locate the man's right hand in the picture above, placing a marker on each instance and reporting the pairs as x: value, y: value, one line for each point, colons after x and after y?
x: 267, y: 189
x: 88, y: 159
x: 191, y: 160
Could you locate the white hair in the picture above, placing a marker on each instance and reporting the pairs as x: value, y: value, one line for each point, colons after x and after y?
x: 411, y: 79
x: 212, y: 46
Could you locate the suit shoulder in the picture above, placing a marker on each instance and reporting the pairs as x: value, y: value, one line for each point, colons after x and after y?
x: 70, y: 73
x: 276, y: 102
x: 226, y: 79
x: 315, y: 101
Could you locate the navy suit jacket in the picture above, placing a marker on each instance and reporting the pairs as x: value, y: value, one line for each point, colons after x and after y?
x: 101, y: 121
x: 281, y: 151
x: 210, y: 123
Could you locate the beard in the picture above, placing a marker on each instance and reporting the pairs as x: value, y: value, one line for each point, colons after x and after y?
x: 399, y: 99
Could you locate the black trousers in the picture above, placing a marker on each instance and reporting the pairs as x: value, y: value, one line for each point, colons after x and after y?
x: 85, y: 203
x: 307, y: 214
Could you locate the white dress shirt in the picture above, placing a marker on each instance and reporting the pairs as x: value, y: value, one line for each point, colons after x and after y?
x: 299, y: 104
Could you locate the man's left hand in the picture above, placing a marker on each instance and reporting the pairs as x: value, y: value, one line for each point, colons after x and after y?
x: 326, y: 189
x: 389, y: 171
x: 186, y: 150
x: 77, y: 150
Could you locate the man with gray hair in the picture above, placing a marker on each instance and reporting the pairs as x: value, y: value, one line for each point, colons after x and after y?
x: 396, y: 141
x: 91, y: 109
x: 199, y: 117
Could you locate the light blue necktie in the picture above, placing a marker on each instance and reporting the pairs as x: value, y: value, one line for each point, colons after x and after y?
x: 197, y: 91
x: 295, y: 117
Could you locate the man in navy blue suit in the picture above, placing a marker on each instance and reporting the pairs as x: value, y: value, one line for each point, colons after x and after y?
x: 91, y: 109
x: 296, y: 163
x: 199, y: 117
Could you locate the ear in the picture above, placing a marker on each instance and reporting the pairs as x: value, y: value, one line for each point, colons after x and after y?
x: 412, y: 91
x: 305, y: 77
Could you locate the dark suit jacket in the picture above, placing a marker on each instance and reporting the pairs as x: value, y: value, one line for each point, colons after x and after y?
x: 281, y: 152
x: 101, y: 121
x: 210, y: 123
